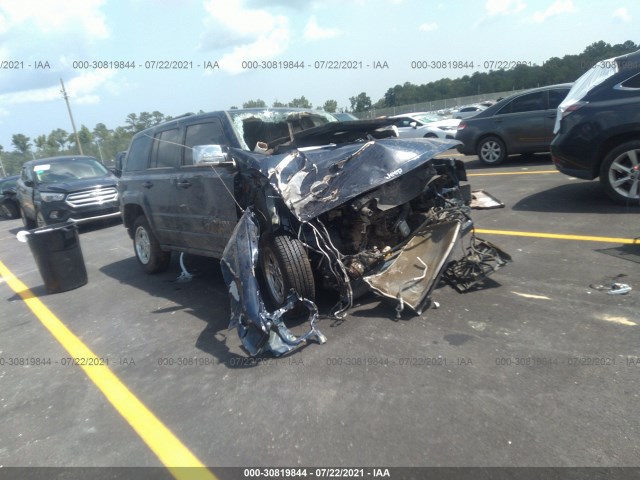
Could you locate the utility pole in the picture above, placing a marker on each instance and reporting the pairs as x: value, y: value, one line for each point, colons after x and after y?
x: 4, y: 173
x: 73, y: 124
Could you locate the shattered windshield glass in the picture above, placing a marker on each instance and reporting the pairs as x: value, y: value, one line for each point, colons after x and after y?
x: 260, y: 128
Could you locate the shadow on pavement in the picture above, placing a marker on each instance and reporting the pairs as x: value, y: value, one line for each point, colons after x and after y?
x: 579, y: 196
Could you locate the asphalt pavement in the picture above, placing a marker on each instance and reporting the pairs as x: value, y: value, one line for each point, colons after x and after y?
x: 538, y: 368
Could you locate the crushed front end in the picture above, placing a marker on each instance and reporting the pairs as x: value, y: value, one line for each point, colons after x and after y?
x: 381, y: 215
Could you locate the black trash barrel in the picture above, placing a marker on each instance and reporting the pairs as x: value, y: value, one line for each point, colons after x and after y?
x: 56, y: 249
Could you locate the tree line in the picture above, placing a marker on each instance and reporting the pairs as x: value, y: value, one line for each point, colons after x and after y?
x: 103, y: 142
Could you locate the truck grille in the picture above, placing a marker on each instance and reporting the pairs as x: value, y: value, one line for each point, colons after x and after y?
x: 96, y: 196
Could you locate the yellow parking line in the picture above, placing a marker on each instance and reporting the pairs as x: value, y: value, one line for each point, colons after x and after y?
x: 583, y: 238
x: 171, y: 452
x: 490, y: 174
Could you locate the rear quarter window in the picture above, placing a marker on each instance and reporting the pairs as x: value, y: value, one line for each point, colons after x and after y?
x: 557, y: 96
x: 138, y: 155
x: 166, y: 149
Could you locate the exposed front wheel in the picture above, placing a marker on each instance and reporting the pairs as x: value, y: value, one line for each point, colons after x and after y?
x: 620, y: 173
x: 148, y: 252
x: 285, y: 266
x: 491, y: 151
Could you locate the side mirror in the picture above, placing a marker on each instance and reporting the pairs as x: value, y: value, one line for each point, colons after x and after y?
x: 28, y: 183
x: 119, y: 161
x: 210, y: 155
x: 414, y: 124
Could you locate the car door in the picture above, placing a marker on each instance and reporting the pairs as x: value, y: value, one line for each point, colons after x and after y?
x: 204, y: 193
x: 158, y: 186
x: 521, y: 123
x: 406, y: 129
x: 555, y: 97
x: 25, y: 192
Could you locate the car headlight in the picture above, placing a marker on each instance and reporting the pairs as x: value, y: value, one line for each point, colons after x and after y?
x: 51, y: 197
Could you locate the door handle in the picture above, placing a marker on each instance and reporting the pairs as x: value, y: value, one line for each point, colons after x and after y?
x: 147, y: 184
x: 184, y: 184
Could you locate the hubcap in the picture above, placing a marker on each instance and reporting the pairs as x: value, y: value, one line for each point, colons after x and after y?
x: 491, y: 151
x: 143, y: 245
x: 274, y: 277
x: 624, y: 174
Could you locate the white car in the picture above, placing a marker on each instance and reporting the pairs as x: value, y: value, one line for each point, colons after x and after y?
x: 468, y: 111
x: 424, y: 125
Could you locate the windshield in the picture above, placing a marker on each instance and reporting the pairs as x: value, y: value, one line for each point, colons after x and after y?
x: 272, y: 125
x: 69, y: 170
x: 426, y: 118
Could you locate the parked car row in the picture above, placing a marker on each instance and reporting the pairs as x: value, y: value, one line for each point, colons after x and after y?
x: 422, y: 125
x: 591, y: 127
x: 521, y: 123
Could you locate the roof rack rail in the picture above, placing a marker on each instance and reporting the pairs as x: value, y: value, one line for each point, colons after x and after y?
x: 188, y: 114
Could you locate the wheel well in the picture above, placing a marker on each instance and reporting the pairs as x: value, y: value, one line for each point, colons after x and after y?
x: 131, y: 212
x: 487, y: 136
x: 609, y: 145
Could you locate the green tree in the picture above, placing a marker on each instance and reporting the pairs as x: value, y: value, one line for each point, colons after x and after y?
x: 21, y: 142
x: 41, y: 142
x: 301, y: 102
x: 254, y: 104
x: 277, y: 104
x: 330, y: 106
x: 58, y: 139
x: 360, y: 103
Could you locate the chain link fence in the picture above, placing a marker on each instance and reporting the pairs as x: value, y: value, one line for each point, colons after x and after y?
x: 445, y: 106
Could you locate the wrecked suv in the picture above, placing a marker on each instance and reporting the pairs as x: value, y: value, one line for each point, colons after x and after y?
x: 293, y: 200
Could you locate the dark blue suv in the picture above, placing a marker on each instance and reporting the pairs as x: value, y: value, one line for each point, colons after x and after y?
x: 598, y: 128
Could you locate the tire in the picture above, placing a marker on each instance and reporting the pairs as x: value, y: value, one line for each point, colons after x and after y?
x: 147, y: 249
x: 620, y: 173
x: 14, y: 211
x: 491, y: 151
x: 28, y: 223
x: 285, y: 265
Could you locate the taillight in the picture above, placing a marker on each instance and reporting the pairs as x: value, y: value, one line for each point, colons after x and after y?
x: 462, y: 125
x: 572, y: 108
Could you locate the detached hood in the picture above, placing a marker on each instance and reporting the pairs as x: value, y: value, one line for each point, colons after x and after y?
x: 315, y: 180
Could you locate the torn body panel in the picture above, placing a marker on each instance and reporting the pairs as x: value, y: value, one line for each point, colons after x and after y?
x: 414, y: 271
x: 383, y: 214
x: 259, y: 330
x: 314, y: 181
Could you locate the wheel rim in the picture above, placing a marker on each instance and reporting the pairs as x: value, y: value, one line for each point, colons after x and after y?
x: 143, y: 245
x: 624, y: 174
x: 273, y: 276
x: 490, y: 151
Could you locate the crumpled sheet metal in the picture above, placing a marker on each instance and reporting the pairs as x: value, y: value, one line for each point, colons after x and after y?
x: 413, y: 273
x: 259, y: 330
x: 313, y: 181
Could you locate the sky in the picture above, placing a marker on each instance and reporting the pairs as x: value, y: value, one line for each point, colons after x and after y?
x: 218, y: 41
